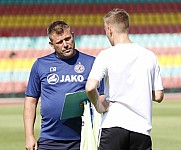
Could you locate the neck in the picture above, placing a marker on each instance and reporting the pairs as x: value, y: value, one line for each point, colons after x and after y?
x: 122, y: 38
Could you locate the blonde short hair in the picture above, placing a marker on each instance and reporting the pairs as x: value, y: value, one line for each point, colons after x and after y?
x: 119, y: 18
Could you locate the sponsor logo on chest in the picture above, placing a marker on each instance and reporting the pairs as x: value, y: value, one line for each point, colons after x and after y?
x: 54, y: 78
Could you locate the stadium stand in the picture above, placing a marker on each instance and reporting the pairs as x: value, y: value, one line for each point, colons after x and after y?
x: 155, y: 24
x: 32, y: 20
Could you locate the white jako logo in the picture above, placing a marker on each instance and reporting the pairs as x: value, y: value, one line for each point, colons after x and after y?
x: 52, y: 78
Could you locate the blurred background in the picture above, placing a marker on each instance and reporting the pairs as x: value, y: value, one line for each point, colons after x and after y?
x: 155, y: 24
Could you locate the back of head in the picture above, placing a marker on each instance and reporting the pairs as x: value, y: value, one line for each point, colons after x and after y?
x: 119, y: 19
x: 57, y: 27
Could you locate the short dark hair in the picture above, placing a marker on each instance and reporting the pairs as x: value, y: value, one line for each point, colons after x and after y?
x: 57, y: 27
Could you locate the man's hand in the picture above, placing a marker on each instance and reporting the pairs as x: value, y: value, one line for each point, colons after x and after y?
x: 102, y: 104
x: 31, y: 143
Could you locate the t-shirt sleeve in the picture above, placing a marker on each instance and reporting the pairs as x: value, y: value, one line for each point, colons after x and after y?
x: 99, y: 69
x: 157, y: 84
x: 34, y: 86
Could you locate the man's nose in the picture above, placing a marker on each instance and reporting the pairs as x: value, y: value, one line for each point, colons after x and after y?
x: 64, y: 43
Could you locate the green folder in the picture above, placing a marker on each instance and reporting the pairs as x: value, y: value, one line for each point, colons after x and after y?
x: 71, y: 107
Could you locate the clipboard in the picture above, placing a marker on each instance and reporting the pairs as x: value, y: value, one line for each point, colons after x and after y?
x: 71, y: 107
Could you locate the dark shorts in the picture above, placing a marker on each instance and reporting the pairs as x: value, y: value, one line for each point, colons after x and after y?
x: 47, y: 144
x: 117, y: 138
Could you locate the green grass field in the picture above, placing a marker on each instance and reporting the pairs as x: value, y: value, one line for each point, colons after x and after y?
x: 166, y: 132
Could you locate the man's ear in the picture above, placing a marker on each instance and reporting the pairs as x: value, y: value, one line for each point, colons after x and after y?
x: 72, y: 34
x: 51, y: 44
x: 110, y: 30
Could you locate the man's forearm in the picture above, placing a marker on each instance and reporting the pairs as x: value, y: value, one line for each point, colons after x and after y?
x: 98, y: 101
x: 30, y: 105
x: 29, y: 117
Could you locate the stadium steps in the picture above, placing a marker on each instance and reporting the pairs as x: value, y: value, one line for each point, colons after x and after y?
x: 92, y: 8
x: 86, y: 18
x: 12, y: 87
x: 81, y: 1
x: 5, y: 54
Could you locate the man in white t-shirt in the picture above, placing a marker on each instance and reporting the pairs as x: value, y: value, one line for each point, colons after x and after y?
x: 132, y: 81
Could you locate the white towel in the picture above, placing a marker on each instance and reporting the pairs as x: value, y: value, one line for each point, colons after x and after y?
x: 90, y: 130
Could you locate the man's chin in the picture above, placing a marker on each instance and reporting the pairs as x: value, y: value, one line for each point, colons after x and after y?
x: 69, y: 55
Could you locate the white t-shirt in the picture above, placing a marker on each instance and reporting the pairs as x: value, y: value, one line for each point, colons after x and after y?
x: 130, y: 74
